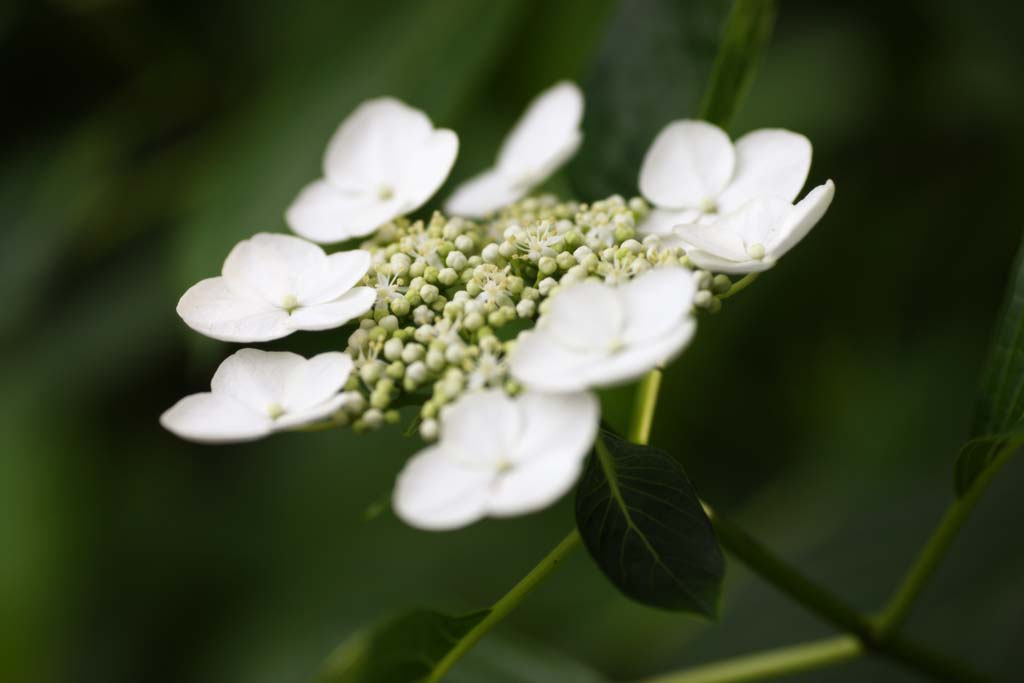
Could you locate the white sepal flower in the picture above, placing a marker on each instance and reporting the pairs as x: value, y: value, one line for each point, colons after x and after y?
x: 546, y: 136
x: 498, y: 456
x: 385, y: 160
x: 692, y: 171
x: 255, y: 393
x: 755, y: 237
x: 272, y: 285
x: 597, y: 335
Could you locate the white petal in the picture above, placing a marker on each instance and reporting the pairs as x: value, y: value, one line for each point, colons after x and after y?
x: 770, y: 162
x: 804, y: 216
x: 586, y: 316
x: 335, y: 313
x: 214, y: 309
x: 482, y: 194
x: 275, y: 266
x: 480, y: 429
x: 310, y: 415
x: 435, y: 493
x: 656, y: 301
x: 341, y: 272
x: 690, y: 162
x: 540, y: 362
x: 714, y: 240
x: 534, y: 485
x: 323, y: 213
x: 371, y: 144
x: 424, y: 169
x: 545, y: 137
x: 556, y: 426
x: 208, y: 418
x: 717, y: 264
x: 257, y: 379
x: 663, y: 221
x: 316, y: 381
x: 637, y: 359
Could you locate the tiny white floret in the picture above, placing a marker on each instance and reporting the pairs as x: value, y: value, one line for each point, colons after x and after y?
x: 497, y: 456
x: 272, y: 285
x: 255, y: 393
x: 693, y: 173
x: 546, y: 136
x: 754, y: 237
x: 596, y: 334
x: 385, y: 160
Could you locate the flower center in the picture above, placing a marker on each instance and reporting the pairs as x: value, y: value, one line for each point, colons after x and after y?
x: 615, y: 345
x: 275, y: 410
x: 708, y: 205
x: 385, y: 192
x: 290, y: 303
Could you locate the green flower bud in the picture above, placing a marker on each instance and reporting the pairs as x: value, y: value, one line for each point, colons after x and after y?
x: 429, y: 409
x: 455, y: 353
x: 490, y: 253
x: 703, y: 299
x: 435, y: 360
x: 464, y: 243
x: 530, y: 294
x: 393, y: 349
x: 547, y: 265
x: 720, y: 284
x: 388, y: 323
x: 496, y: 318
x: 429, y: 429
x: 412, y: 297
x: 373, y: 418
x: 417, y: 268
x: 474, y: 321
x: 514, y: 284
x: 546, y: 286
x: 378, y: 334
x: 428, y: 293
x: 422, y: 315
x: 417, y: 372
x: 413, y: 352
x: 395, y: 370
x: 399, y: 306
x: 473, y: 288
x: 703, y: 279
x: 455, y: 260
x: 447, y: 277
x: 624, y: 233
x: 565, y: 260
x: 573, y: 239
x: 392, y: 417
x: 526, y: 308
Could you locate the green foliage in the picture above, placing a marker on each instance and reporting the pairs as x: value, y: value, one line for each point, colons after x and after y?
x: 746, y: 34
x: 651, y: 68
x: 404, y: 649
x: 644, y: 525
x: 997, y: 420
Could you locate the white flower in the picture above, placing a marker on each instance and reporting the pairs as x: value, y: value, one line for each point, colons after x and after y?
x: 545, y: 137
x: 272, y: 285
x: 598, y: 335
x: 755, y: 236
x: 254, y: 393
x: 692, y: 172
x: 497, y: 456
x: 385, y: 160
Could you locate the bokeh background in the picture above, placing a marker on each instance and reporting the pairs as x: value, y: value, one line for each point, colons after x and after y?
x: 822, y: 408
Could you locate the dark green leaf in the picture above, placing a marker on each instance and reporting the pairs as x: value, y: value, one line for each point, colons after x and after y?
x: 1001, y: 402
x: 746, y: 34
x: 643, y: 524
x: 978, y: 454
x: 651, y: 67
x: 403, y: 650
x: 1000, y: 406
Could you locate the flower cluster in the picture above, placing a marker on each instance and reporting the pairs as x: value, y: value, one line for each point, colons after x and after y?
x: 497, y: 320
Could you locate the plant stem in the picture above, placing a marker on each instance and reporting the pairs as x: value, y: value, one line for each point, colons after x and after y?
x: 767, y: 665
x: 898, y: 608
x: 739, y: 285
x: 643, y: 407
x: 506, y: 604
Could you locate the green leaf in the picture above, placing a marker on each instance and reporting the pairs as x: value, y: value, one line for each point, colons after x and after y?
x: 656, y: 60
x: 1000, y: 408
x: 405, y: 649
x: 645, y: 527
x: 978, y: 454
x: 746, y: 34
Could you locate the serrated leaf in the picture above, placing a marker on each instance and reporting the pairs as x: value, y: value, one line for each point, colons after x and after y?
x: 644, y: 525
x: 978, y: 454
x: 1000, y: 406
x: 405, y: 649
x: 746, y: 34
x: 663, y: 60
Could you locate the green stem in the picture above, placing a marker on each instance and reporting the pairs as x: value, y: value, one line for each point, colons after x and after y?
x: 643, y: 407
x: 762, y: 666
x: 898, y: 608
x: 739, y: 285
x: 506, y: 604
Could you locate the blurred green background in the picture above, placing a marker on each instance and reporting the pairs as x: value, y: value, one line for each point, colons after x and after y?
x: 822, y: 408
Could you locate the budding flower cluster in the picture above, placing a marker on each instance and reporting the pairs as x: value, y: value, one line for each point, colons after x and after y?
x: 452, y: 294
